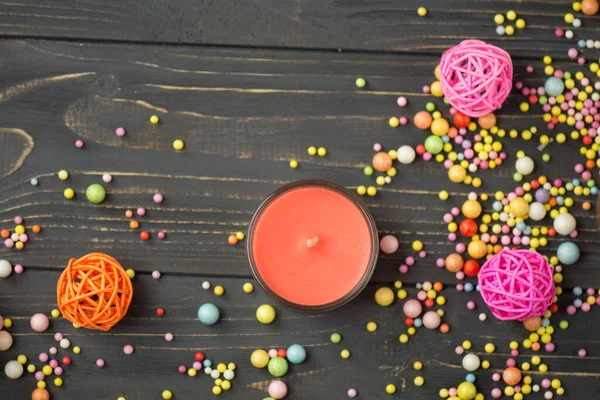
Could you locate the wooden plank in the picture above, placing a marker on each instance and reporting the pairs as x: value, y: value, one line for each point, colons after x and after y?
x: 377, y: 358
x: 243, y: 115
x: 386, y: 25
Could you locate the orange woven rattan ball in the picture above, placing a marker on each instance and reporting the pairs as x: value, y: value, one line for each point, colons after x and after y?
x: 94, y: 291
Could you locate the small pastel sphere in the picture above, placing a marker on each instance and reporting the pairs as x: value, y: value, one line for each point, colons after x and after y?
x: 273, y: 353
x: 524, y: 165
x: 352, y: 393
x: 13, y: 369
x: 79, y: 143
x: 471, y: 362
x: 120, y: 132
x: 440, y: 127
x: 511, y: 376
x: 384, y: 296
x: 466, y: 391
x: 582, y: 352
x: 471, y: 209
x: 360, y: 82
x: 161, y: 235
x: 208, y: 314
x: 63, y: 175
x: 431, y: 320
x: 457, y: 173
x: 454, y: 262
x: 554, y: 86
x: 6, y: 340
x: 5, y: 269
x: 519, y: 207
x: 434, y: 144
x: 167, y: 394
x: 156, y: 274
x: 128, y: 349
x: 422, y: 120
x: 178, y: 145
x: 248, y: 287
x: 564, y: 224
x: 412, y: 308
x: 39, y: 322
x: 477, y: 249
x: 100, y: 363
x: 406, y: 154
x: 259, y: 358
x: 567, y: 253
x: 65, y: 343
x: 278, y: 366
x: 95, y: 193
x: 390, y: 389
x: 382, y: 161
x: 34, y: 181
x: 169, y: 337
x: 335, y: 337
x: 141, y: 211
x: 537, y: 211
x: 265, y: 314
x: 158, y: 198
x: 40, y: 394
x: 296, y: 354
x: 277, y: 389
x: 389, y: 244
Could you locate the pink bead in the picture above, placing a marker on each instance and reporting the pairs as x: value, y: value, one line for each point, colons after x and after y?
x: 128, y: 349
x: 53, y: 363
x: 426, y: 89
x: 141, y: 211
x: 455, y: 211
x: 471, y: 305
x: 19, y: 269
x: 516, y: 240
x: 586, y: 175
x: 460, y: 287
x: 58, y: 336
x: 598, y: 301
x: 519, y: 85
x: 505, y: 229
x: 158, y: 198
x: 197, y: 365
x: 511, y: 362
x: 546, y: 383
x: 496, y: 377
x: 581, y: 60
x: 120, y: 132
x: 590, y: 291
x: 156, y: 274
x: 427, y: 156
x: 403, y: 120
x: 53, y: 350
x: 469, y: 153
x: 388, y: 244
x: 514, y: 353
x: 452, y: 237
x: 448, y: 218
x: 100, y: 363
x: 422, y: 254
x: 460, y: 248
x: 18, y: 220
x: 574, y: 234
x: 277, y: 389
x: 452, y: 391
x: 410, y: 260
x: 458, y: 139
x: 571, y: 310
x: 377, y: 147
x: 459, y: 350
x: 402, y: 101
x: 440, y: 262
x: 9, y: 243
x: 403, y: 269
x: 460, y: 275
x: 352, y: 393
x: 448, y: 164
x: 39, y: 376
x: 431, y: 320
x: 525, y: 241
x: 519, y: 191
x: 517, y: 388
x: 505, y: 240
x: 273, y: 353
x: 496, y: 393
x: 23, y: 237
x: 585, y: 307
x: 529, y: 69
x: 182, y: 369
x: 549, y: 347
x: 58, y: 371
x: 422, y: 295
x: 559, y: 32
x: 39, y: 322
x: 169, y: 337
x: 43, y: 357
x: 582, y: 353
x: 79, y: 144
x: 161, y: 235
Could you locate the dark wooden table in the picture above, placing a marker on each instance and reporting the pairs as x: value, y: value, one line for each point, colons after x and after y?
x: 249, y: 85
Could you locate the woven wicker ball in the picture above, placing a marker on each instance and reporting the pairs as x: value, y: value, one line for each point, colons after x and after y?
x: 517, y: 284
x: 476, y: 77
x: 94, y: 292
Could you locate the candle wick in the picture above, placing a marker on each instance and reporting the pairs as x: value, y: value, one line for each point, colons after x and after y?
x: 312, y: 242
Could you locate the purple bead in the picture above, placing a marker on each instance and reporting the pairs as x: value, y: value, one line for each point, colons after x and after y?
x: 39, y: 376
x: 542, y: 195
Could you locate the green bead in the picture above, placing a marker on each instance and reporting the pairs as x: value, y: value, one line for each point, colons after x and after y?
x: 360, y: 82
x: 335, y: 337
x: 546, y: 157
x: 567, y: 75
x: 563, y: 324
x: 278, y: 366
x: 368, y: 171
x: 517, y: 177
x: 591, y: 183
x: 95, y: 193
x: 434, y: 144
x: 430, y: 107
x: 543, y: 100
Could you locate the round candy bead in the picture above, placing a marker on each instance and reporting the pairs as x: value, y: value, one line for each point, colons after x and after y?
x: 389, y: 244
x: 13, y: 369
x: 296, y: 354
x: 406, y: 154
x: 554, y: 86
x: 95, y: 193
x: 564, y: 224
x: 434, y: 144
x: 511, y: 376
x: 384, y: 296
x: 278, y: 366
x: 431, y: 320
x: 568, y: 253
x: 128, y: 349
x: 259, y: 358
x: 277, y: 389
x: 524, y: 165
x: 412, y: 308
x: 352, y: 393
x: 39, y: 322
x: 265, y: 314
x: 422, y: 120
x: 382, y: 161
x: 5, y: 268
x: 471, y: 362
x: 537, y: 211
x: 466, y: 391
x: 208, y: 314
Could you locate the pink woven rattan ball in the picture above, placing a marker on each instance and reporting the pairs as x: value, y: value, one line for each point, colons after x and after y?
x: 476, y: 77
x: 516, y: 284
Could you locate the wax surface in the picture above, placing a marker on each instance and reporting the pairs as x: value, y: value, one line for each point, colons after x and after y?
x: 317, y: 275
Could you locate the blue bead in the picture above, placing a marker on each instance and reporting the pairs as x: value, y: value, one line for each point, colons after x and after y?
x: 500, y: 30
x: 577, y: 291
x: 497, y: 206
x: 576, y: 22
x: 34, y: 181
x: 545, y: 322
x: 521, y: 226
x: 581, y: 43
x: 577, y: 303
x: 207, y: 363
x: 594, y: 190
x: 576, y: 182
x: 418, y: 322
x: 445, y: 139
x: 560, y: 200
x: 461, y: 156
x: 296, y: 354
x: 469, y: 287
x: 470, y: 378
x: 208, y: 314
x: 527, y: 231
x: 554, y: 86
x: 477, y: 287
x: 567, y: 253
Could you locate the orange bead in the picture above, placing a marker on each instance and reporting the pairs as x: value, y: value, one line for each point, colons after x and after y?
x: 232, y: 239
x: 497, y: 248
x: 444, y: 328
x: 532, y: 324
x: 590, y: 7
x: 511, y: 376
x: 552, y: 201
x: 4, y: 233
x: 454, y: 262
x: 438, y: 286
x: 536, y: 346
x: 453, y: 132
x: 487, y: 121
x: 133, y: 224
x: 590, y: 164
x: 382, y: 161
x: 477, y: 249
x: 36, y: 229
x: 586, y: 205
x: 40, y: 394
x: 422, y: 120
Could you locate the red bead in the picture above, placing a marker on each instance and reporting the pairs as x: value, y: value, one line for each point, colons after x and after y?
x: 587, y: 140
x: 66, y: 360
x: 282, y: 353
x: 420, y: 149
x: 533, y: 99
x: 160, y: 312
x: 199, y: 356
x: 468, y: 227
x: 144, y: 235
x: 551, y: 232
x: 553, y: 308
x: 409, y: 321
x: 471, y: 268
x: 461, y: 120
x: 429, y: 303
x: 535, y: 184
x: 554, y: 120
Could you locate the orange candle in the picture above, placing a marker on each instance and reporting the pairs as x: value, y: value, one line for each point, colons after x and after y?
x: 313, y: 245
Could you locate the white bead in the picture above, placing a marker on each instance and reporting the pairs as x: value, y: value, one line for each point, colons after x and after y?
x: 229, y: 374
x: 13, y: 369
x: 536, y: 388
x: 547, y: 186
x: 207, y: 370
x: 569, y: 34
x: 589, y: 44
x: 65, y: 343
x: 482, y: 317
x: 419, y: 286
x: 597, y: 44
x: 472, y: 168
x: 427, y: 286
x: 406, y: 154
x: 500, y: 30
x: 215, y: 374
x: 15, y: 237
x: 537, y: 211
x: 5, y: 269
x: 206, y: 285
x: 548, y: 395
x: 524, y: 165
x: 471, y: 362
x: 564, y: 224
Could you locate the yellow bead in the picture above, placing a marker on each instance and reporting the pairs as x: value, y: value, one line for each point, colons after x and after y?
x: 499, y: 19
x: 509, y: 30
x: 231, y: 366
x: 422, y: 11
x: 394, y: 122
x: 76, y: 349
x: 361, y: 190
x: 31, y: 368
x: 293, y: 164
x: 520, y: 24
x: 569, y: 18
x: 240, y: 235
x: 576, y: 6
x: 380, y: 180
x: 312, y: 150
x: 419, y: 381
x: 402, y: 294
x: 69, y: 193
x: 417, y: 245
x: 55, y: 313
x: 63, y: 175
x: 191, y: 372
x: 371, y: 191
x: 391, y: 172
x: 226, y: 385
x: 467, y: 345
x: 322, y: 151
x: 345, y: 353
x: 47, y: 370
x: 154, y: 119
x: 217, y: 390
x: 403, y: 338
x: 219, y: 290
x: 547, y: 60
x: 443, y: 195
x: 248, y: 287
x: 22, y: 359
x: 178, y: 144
x: 490, y: 348
x: 543, y: 368
x: 418, y: 365
x: 524, y: 106
x: 221, y: 367
x: 360, y: 82
x: 511, y: 15
x: 390, y: 389
x: 411, y: 331
x: 167, y: 395
x: 130, y: 273
x: 372, y: 326
x: 41, y: 384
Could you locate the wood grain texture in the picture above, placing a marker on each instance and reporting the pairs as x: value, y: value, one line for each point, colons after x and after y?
x: 243, y: 115
x: 377, y: 358
x: 387, y: 25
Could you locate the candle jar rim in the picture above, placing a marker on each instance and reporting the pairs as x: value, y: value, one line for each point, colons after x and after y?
x: 372, y: 259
